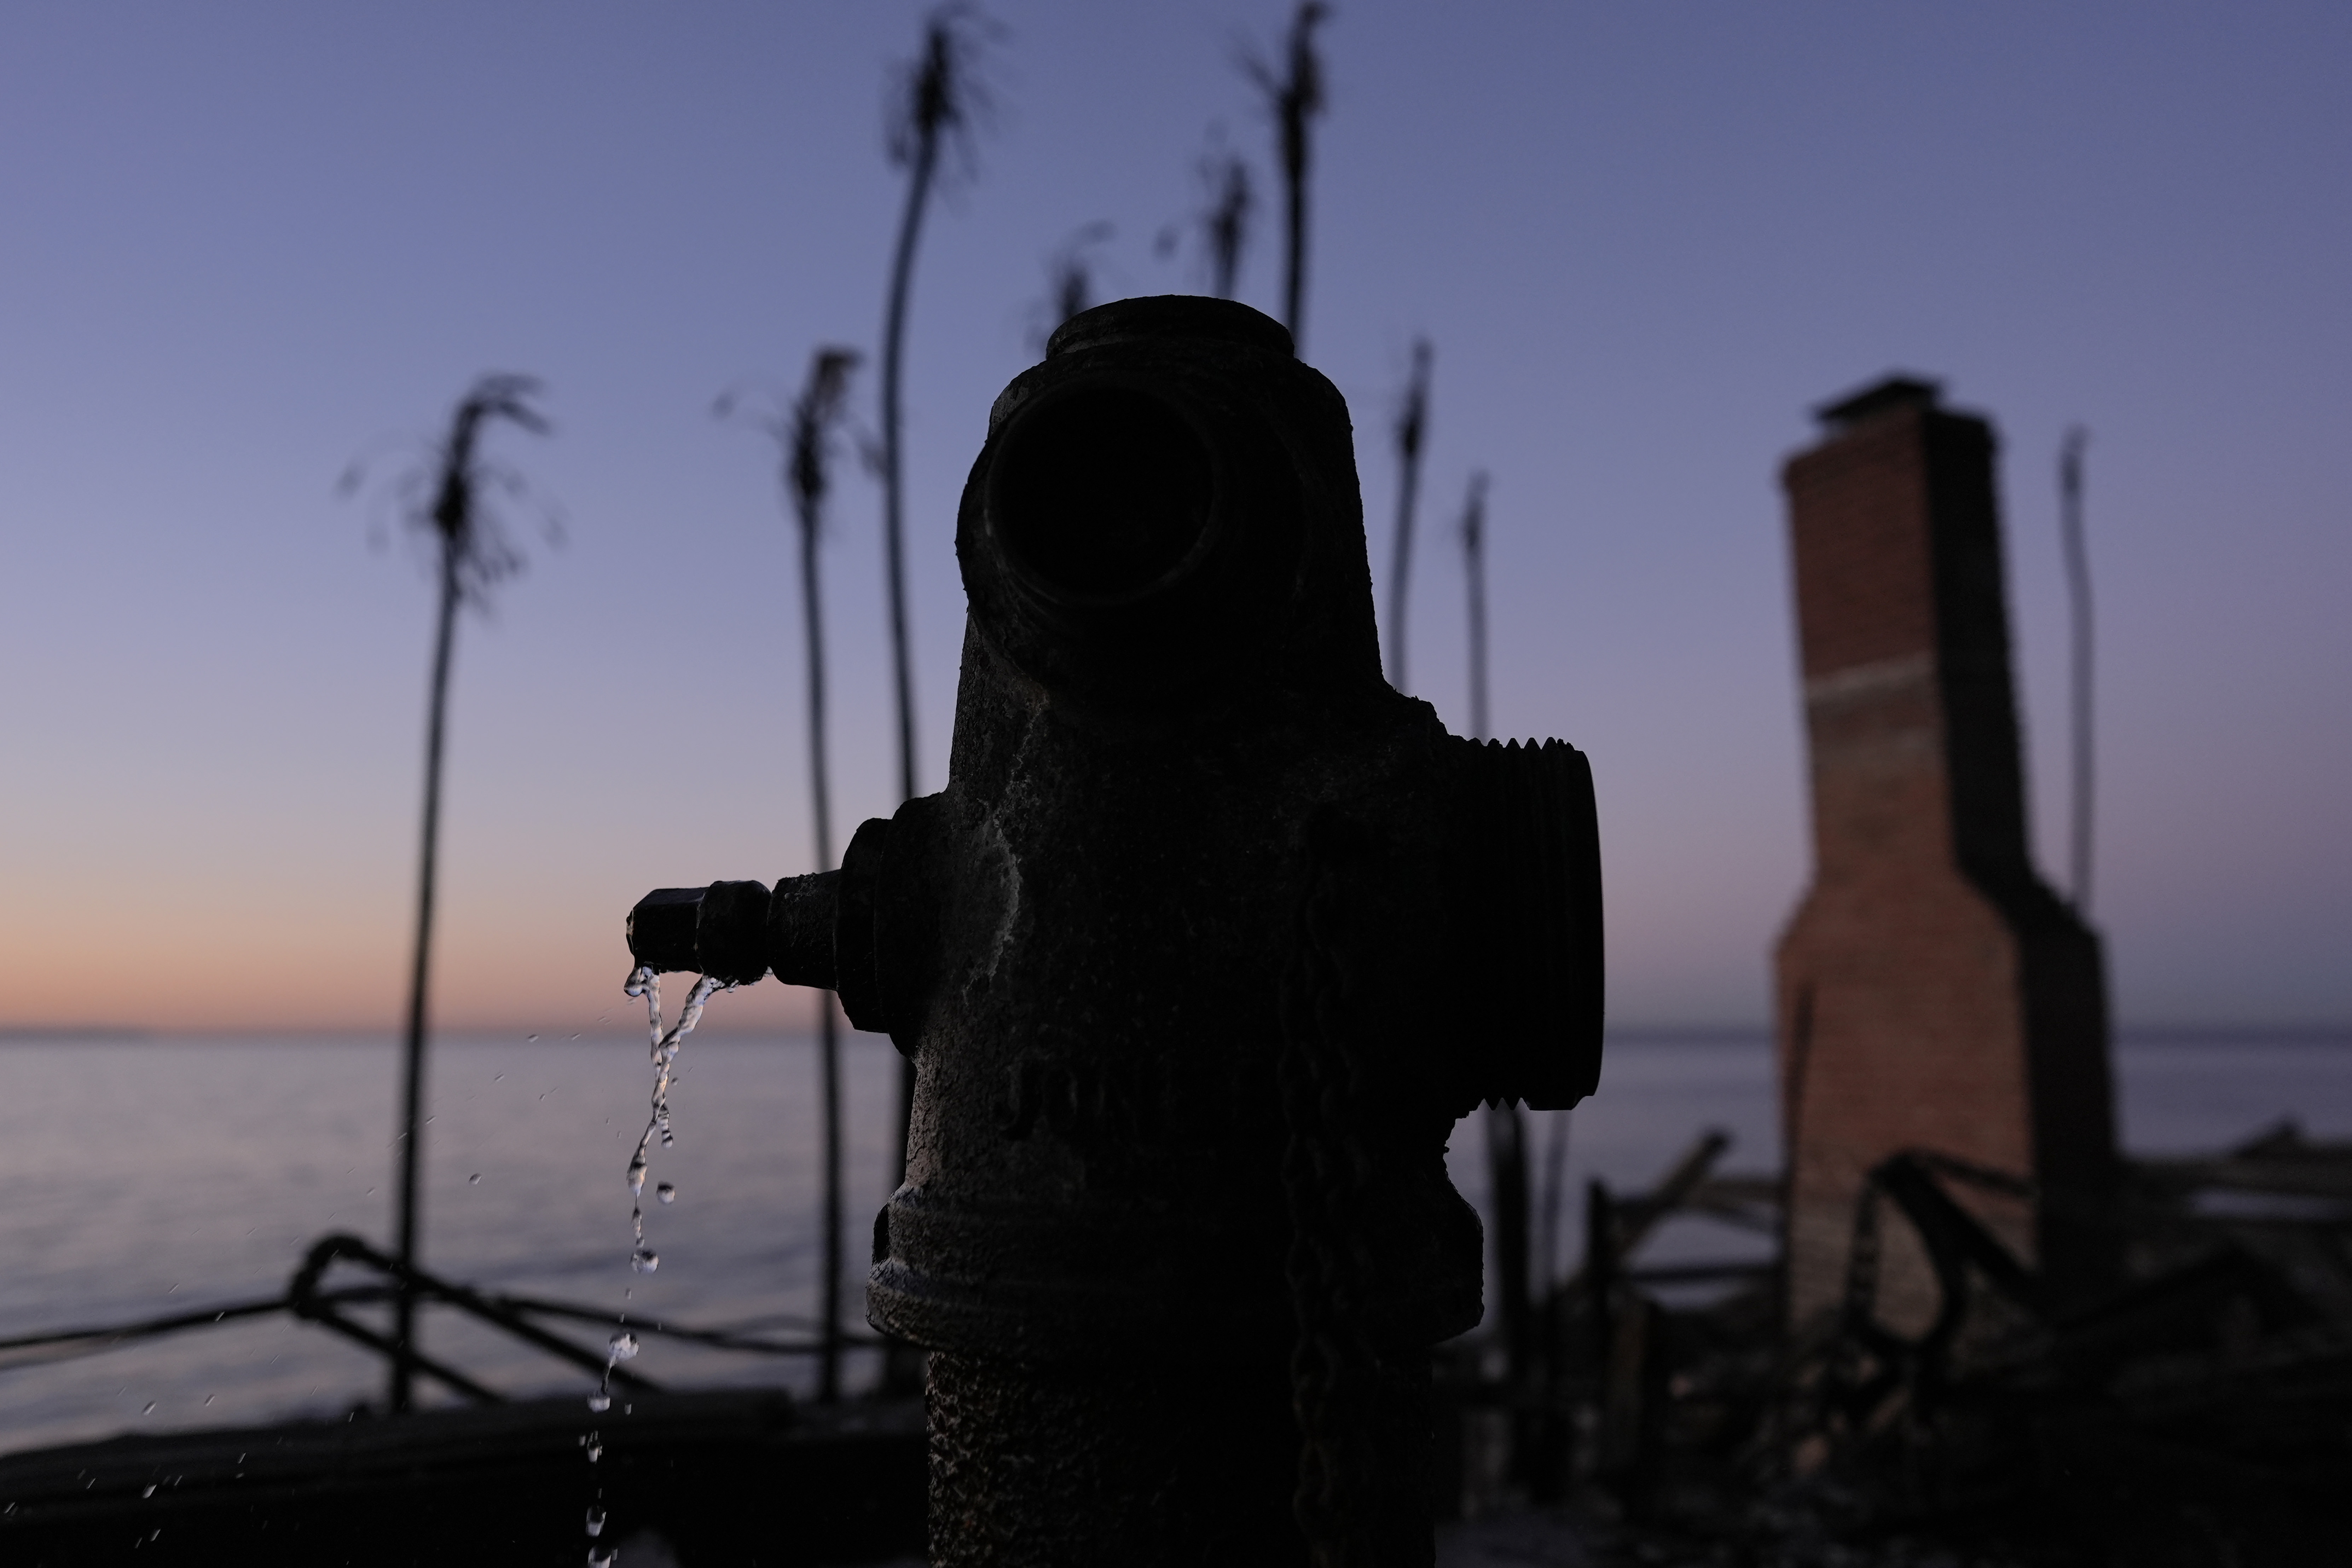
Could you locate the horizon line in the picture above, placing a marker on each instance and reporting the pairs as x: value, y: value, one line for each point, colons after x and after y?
x: 123, y: 1033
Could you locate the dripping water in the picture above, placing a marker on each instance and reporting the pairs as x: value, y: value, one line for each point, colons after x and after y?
x: 644, y: 983
x: 623, y: 1346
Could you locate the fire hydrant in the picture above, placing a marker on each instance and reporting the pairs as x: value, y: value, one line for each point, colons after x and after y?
x: 1206, y: 946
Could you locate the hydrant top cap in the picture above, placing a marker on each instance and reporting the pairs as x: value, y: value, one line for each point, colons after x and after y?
x: 1171, y: 316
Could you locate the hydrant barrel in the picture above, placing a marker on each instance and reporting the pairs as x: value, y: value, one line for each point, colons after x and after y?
x: 1205, y: 946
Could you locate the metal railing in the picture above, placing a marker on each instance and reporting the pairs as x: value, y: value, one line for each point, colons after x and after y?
x: 308, y: 1298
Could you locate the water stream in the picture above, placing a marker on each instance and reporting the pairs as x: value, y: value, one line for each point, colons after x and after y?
x: 623, y: 1345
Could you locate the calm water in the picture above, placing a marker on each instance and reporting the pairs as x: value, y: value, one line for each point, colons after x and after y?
x: 155, y: 1176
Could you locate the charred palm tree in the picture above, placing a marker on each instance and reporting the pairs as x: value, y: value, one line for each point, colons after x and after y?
x: 803, y: 435
x: 1224, y: 226
x: 1473, y: 567
x: 1412, y: 426
x: 810, y: 433
x: 1070, y: 279
x: 1524, y: 1231
x: 472, y: 555
x: 1507, y: 1138
x: 1294, y: 96
x: 937, y: 98
x: 2078, y: 596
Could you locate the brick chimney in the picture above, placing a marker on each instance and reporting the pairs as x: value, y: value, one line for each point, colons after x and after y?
x: 1933, y: 992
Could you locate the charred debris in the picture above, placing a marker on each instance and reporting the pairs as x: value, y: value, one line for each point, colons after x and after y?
x: 2196, y: 1412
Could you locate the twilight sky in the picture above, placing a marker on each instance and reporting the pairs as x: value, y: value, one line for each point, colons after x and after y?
x: 241, y: 246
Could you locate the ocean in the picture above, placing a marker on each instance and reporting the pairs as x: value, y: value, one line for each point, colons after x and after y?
x: 150, y: 1176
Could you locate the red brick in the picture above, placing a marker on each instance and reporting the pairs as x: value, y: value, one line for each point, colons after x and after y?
x: 1933, y: 991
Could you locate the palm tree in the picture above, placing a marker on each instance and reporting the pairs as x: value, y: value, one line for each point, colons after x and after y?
x: 1294, y: 97
x: 1224, y: 226
x: 1507, y: 1138
x: 1412, y: 424
x: 803, y: 436
x: 1473, y: 563
x: 2078, y: 593
x: 937, y: 98
x: 809, y: 446
x: 473, y: 556
x: 1070, y: 278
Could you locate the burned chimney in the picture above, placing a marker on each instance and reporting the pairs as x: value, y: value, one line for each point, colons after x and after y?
x: 1934, y: 993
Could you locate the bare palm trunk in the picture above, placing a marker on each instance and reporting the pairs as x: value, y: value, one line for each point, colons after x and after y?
x: 2078, y: 593
x: 1474, y: 560
x: 1412, y: 425
x: 1226, y: 222
x: 411, y: 1101
x: 1506, y: 1166
x: 1296, y: 98
x: 1547, y: 1211
x: 828, y: 1026
x: 472, y: 556
x: 1294, y: 272
x: 1507, y: 1139
x: 894, y: 338
x: 894, y: 334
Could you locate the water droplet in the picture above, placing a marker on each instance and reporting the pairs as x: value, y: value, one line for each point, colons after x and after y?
x: 150, y: 1491
x: 596, y: 1520
x: 667, y: 1193
x: 599, y: 1402
x: 149, y: 1410
x: 530, y: 1037
x: 601, y: 1559
x: 637, y: 1173
x: 645, y: 1261
x: 624, y: 1345
x: 475, y: 1180
x: 596, y: 1450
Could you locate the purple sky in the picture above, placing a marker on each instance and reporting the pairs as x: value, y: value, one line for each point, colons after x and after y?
x: 244, y: 245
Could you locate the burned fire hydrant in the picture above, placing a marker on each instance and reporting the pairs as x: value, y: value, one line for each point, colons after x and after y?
x: 1208, y: 941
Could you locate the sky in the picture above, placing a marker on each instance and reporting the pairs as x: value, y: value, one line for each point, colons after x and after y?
x: 242, y: 247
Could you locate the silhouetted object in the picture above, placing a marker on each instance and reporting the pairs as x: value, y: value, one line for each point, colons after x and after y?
x: 1599, y: 1276
x: 1510, y: 1189
x: 726, y: 1476
x: 1294, y: 97
x: 2203, y: 1401
x: 1551, y: 1203
x: 1412, y: 425
x: 939, y: 98
x: 813, y: 416
x: 1934, y: 993
x: 1474, y: 576
x: 2079, y: 841
x: 805, y: 437
x: 1171, y: 953
x: 473, y: 556
x: 1224, y: 226
x: 1069, y: 278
